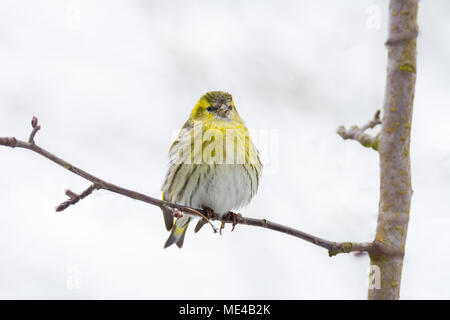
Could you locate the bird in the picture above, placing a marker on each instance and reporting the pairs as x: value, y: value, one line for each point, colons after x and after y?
x: 213, y: 165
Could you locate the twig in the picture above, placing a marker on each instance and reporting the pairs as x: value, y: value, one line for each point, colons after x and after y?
x: 358, y: 134
x: 36, y: 128
x: 74, y: 198
x: 333, y: 248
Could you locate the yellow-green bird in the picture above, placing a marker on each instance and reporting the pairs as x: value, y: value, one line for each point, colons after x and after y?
x: 213, y: 164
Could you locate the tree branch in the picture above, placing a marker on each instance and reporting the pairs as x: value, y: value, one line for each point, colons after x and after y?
x: 74, y: 198
x: 395, y: 169
x: 333, y: 248
x: 358, y: 134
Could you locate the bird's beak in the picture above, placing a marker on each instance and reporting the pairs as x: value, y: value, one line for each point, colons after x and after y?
x: 224, y: 110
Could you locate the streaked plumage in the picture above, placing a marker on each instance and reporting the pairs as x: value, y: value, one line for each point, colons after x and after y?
x: 213, y: 163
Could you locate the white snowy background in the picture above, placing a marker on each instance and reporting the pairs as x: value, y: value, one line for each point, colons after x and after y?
x: 111, y: 81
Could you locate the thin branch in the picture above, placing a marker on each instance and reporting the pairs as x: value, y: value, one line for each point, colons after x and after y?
x: 358, y: 134
x: 36, y: 127
x: 74, y: 198
x: 333, y: 248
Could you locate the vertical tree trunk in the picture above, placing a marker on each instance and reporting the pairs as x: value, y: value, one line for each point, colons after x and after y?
x: 386, y: 259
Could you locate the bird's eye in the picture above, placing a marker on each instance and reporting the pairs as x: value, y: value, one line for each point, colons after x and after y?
x: 210, y: 108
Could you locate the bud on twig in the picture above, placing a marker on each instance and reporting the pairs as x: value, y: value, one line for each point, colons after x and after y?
x: 34, y: 121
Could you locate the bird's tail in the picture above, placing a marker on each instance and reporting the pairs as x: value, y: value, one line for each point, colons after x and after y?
x: 178, y: 232
x: 168, y: 215
x: 168, y: 218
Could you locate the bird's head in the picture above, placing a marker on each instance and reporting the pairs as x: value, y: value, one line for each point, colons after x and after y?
x: 215, y: 105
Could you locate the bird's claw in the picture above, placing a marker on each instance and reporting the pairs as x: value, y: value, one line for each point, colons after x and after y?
x: 210, y: 214
x: 234, y: 218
